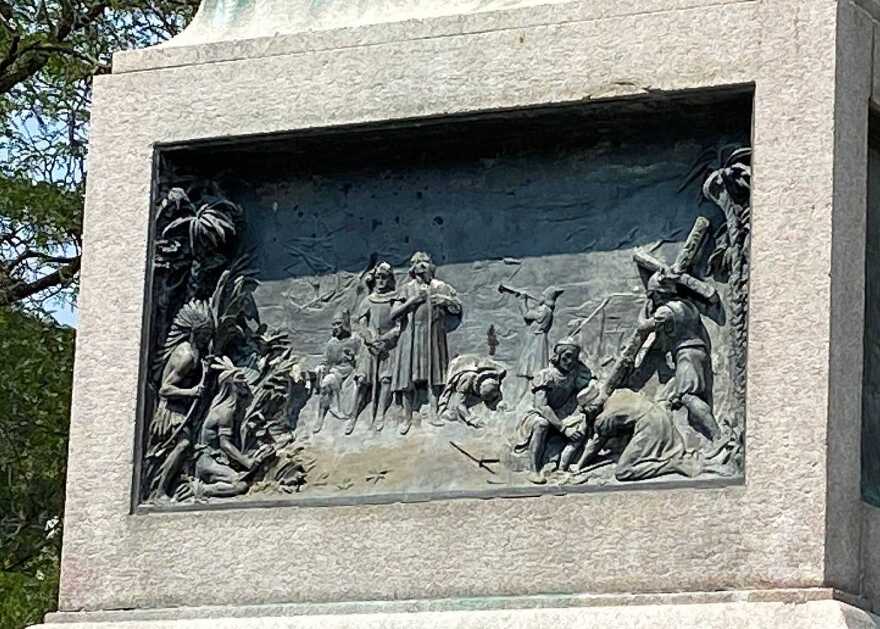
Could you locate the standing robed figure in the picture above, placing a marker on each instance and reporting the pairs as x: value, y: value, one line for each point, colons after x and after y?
x: 430, y: 309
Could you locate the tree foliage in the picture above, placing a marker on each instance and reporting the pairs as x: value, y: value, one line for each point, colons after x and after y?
x: 35, y: 376
x: 49, y: 50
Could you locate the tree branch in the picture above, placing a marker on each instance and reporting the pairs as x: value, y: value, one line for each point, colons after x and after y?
x: 59, y: 277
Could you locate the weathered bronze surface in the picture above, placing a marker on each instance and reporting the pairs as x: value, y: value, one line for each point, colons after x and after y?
x: 491, y: 306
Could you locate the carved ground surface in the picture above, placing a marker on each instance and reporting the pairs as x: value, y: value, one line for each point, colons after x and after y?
x: 563, y: 201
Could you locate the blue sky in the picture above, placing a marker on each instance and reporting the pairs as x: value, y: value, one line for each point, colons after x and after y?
x: 66, y: 314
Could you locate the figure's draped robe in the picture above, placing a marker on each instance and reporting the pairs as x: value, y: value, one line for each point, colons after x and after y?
x: 341, y: 361
x: 535, y: 354
x: 420, y: 359
x: 656, y: 447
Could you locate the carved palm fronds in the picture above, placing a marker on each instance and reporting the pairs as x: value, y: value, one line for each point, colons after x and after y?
x: 265, y: 417
x: 209, y: 229
x: 232, y: 305
x: 727, y: 182
x: 726, y: 175
x: 171, y: 253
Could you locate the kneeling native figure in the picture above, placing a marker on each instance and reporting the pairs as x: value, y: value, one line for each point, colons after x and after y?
x: 222, y: 466
x: 554, y: 408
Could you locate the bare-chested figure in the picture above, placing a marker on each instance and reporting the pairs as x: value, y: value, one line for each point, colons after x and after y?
x: 221, y: 466
x: 182, y: 384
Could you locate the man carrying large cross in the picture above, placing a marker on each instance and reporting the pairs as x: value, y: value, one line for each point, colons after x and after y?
x: 676, y: 323
x: 679, y: 330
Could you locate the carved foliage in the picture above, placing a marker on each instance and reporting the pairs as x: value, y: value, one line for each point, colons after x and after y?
x: 227, y: 396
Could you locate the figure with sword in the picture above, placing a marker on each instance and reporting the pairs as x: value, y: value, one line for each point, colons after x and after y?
x: 381, y: 333
x: 429, y: 309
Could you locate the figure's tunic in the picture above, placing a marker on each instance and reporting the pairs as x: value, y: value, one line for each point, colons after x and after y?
x: 561, y: 391
x: 375, y: 313
x: 340, y: 361
x: 681, y: 332
x: 420, y: 359
x: 535, y: 354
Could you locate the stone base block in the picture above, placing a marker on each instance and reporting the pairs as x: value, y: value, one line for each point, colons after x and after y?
x: 788, y: 609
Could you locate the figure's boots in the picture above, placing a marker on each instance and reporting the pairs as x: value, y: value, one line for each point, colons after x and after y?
x: 349, y: 427
x: 406, y: 420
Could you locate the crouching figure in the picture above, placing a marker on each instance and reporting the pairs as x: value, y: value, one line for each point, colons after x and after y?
x: 473, y: 381
x: 222, y: 467
x: 554, y: 408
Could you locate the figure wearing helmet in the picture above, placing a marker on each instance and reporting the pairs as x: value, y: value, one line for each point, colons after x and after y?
x: 472, y: 381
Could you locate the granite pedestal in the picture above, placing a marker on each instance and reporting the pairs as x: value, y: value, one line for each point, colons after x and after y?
x: 788, y: 543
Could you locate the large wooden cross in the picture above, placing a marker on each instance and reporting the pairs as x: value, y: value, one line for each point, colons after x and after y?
x: 680, y: 271
x: 681, y: 274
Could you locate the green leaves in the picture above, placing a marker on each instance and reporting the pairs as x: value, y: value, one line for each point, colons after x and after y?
x: 49, y: 50
x: 35, y: 380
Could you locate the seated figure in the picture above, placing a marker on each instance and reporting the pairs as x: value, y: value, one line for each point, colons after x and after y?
x: 221, y: 466
x: 554, y: 407
x: 338, y: 377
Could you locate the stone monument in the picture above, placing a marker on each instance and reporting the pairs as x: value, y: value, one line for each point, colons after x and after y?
x: 531, y: 313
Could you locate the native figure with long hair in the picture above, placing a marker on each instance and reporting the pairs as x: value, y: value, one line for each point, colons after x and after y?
x: 181, y: 385
x: 222, y: 466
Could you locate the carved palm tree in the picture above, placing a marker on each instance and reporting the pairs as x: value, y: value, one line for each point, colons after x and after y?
x: 727, y: 182
x: 210, y: 228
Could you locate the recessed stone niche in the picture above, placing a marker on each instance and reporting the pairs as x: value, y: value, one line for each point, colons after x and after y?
x: 588, y: 270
